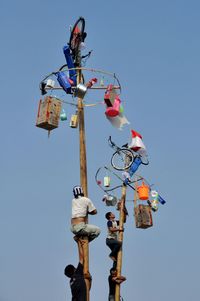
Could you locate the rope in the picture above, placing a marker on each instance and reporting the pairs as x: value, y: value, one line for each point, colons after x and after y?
x: 94, y: 104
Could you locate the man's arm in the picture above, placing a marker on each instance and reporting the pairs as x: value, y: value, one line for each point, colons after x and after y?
x: 119, y: 279
x: 90, y: 207
x: 93, y: 212
x: 111, y: 229
x: 79, y: 269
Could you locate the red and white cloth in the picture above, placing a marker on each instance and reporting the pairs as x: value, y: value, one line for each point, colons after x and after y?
x: 118, y: 121
x: 136, y: 143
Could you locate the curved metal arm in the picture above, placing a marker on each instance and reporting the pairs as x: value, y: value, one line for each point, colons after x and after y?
x: 111, y: 143
x: 144, y: 163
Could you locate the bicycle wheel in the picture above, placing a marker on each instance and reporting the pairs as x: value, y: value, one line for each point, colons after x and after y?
x: 77, y: 34
x: 122, y: 159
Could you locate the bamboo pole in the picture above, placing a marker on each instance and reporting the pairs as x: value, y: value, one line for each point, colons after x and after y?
x: 83, y: 179
x: 121, y: 226
x: 83, y: 159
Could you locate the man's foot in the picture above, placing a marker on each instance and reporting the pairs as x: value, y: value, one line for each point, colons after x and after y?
x: 82, y: 242
x: 80, y: 238
x: 76, y: 238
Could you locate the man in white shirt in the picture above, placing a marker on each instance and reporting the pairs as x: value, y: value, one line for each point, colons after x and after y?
x: 81, y: 207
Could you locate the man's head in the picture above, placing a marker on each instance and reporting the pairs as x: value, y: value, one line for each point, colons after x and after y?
x: 69, y: 270
x: 113, y: 272
x: 78, y: 191
x: 109, y: 215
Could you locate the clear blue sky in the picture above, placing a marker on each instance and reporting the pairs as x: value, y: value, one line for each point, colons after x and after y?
x: 153, y: 47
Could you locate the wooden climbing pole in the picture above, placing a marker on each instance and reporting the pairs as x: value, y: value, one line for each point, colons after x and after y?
x: 83, y: 179
x: 121, y: 234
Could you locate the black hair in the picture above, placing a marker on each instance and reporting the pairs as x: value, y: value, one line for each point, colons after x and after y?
x: 112, y: 270
x: 69, y: 270
x: 107, y: 215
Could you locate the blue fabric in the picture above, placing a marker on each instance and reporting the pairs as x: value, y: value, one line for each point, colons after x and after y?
x: 70, y: 64
x: 64, y: 82
x: 109, y: 224
x: 114, y: 246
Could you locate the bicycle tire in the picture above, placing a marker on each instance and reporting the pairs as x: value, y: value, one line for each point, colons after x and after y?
x: 122, y: 159
x: 76, y: 36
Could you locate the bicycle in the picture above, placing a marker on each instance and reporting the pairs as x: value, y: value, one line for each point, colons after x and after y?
x: 77, y: 37
x: 123, y: 157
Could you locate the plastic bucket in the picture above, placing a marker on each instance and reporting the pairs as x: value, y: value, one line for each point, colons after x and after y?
x: 143, y: 191
x: 114, y: 110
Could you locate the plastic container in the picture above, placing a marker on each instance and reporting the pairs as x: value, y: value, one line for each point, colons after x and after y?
x: 114, y: 110
x: 143, y: 192
x: 106, y: 181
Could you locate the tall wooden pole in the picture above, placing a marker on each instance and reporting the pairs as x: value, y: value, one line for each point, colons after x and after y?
x: 121, y: 226
x: 83, y: 178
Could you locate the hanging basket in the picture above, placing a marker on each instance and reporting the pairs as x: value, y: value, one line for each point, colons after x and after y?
x: 143, y: 216
x: 142, y: 212
x: 49, y: 113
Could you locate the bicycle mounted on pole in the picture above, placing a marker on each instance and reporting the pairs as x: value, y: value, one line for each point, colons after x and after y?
x: 123, y: 157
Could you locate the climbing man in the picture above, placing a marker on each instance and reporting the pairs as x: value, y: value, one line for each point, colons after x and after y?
x: 113, y: 280
x: 81, y: 207
x: 112, y: 238
x: 77, y: 277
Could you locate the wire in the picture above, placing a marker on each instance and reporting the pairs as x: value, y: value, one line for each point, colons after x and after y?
x: 83, y: 68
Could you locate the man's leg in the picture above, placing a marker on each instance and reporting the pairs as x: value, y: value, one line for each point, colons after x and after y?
x: 115, y: 246
x: 91, y: 231
x: 80, y: 248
